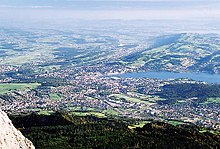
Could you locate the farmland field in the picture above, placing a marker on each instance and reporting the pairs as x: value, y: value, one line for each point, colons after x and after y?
x: 5, y: 88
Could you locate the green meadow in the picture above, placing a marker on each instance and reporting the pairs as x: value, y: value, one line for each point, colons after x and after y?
x: 5, y: 88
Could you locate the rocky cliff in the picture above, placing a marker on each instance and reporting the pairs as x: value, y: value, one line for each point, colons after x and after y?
x: 10, y: 137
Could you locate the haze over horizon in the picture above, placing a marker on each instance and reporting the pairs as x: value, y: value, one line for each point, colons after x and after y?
x: 45, y: 12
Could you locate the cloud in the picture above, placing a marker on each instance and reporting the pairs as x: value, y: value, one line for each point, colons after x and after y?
x: 48, y: 14
x: 59, y: 10
x: 25, y: 7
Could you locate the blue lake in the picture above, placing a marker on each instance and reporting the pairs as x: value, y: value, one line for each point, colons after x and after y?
x: 165, y: 75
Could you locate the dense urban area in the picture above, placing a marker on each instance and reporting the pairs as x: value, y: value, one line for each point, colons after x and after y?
x: 80, y: 72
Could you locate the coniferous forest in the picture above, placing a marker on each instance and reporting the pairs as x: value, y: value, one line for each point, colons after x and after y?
x: 61, y: 130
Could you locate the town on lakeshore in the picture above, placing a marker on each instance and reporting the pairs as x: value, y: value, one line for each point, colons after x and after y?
x: 48, y: 70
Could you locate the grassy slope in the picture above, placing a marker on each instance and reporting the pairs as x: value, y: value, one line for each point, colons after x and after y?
x: 190, y: 51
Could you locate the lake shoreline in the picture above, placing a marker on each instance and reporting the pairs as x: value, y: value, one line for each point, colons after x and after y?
x: 169, y: 75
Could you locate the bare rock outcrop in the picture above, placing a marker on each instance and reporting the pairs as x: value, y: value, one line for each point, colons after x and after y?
x: 10, y: 137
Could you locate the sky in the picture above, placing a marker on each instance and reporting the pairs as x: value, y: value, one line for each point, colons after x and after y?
x: 58, y: 10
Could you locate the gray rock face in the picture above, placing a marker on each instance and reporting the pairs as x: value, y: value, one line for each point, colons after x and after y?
x: 10, y: 137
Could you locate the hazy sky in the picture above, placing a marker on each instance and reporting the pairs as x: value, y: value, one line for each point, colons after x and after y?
x: 44, y: 10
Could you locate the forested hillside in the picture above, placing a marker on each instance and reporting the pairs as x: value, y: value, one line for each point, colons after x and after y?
x: 59, y: 131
